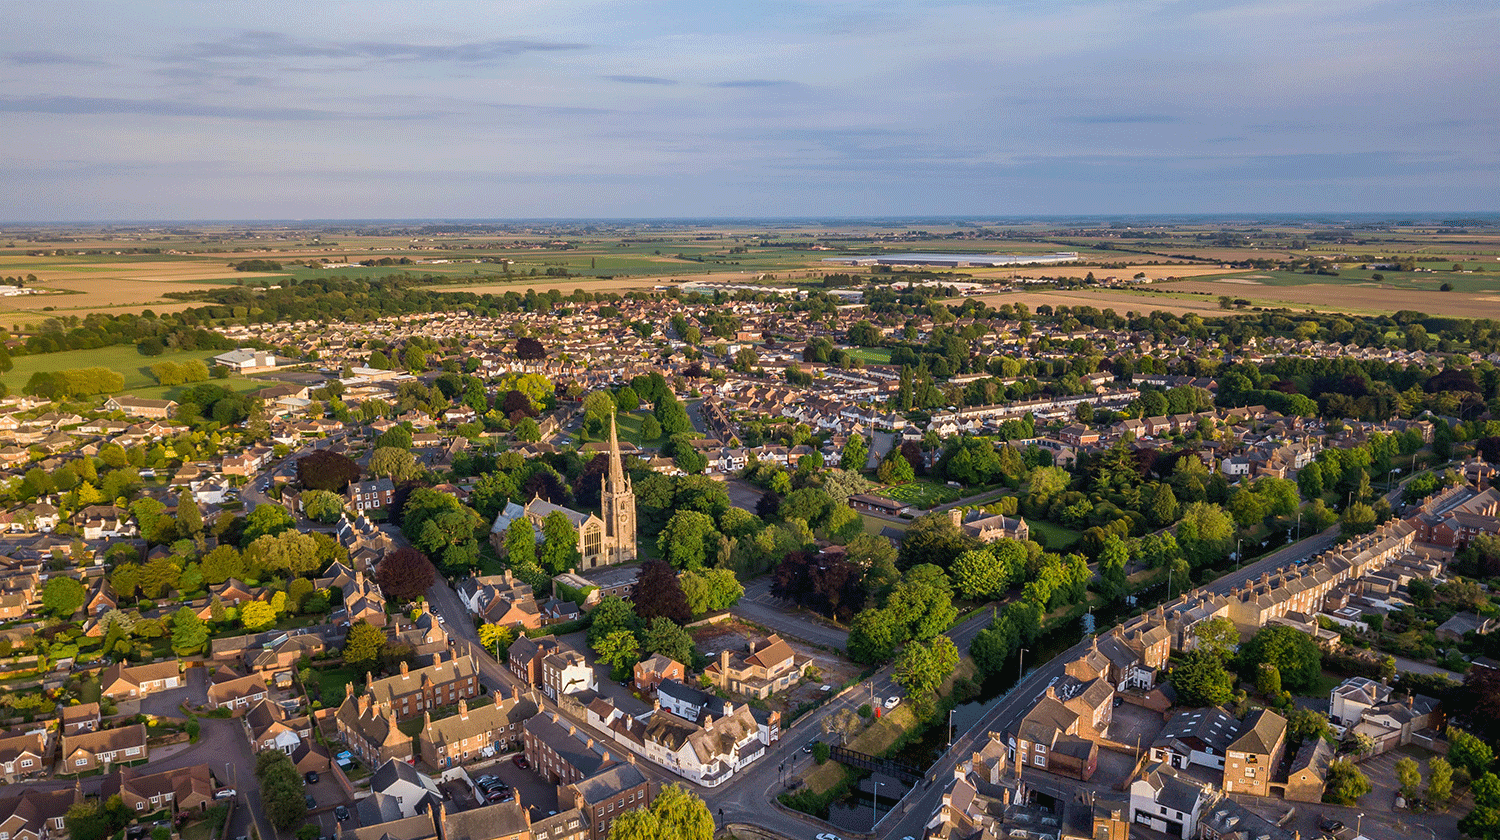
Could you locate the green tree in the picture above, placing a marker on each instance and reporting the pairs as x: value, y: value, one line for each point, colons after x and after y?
x: 711, y: 590
x: 978, y: 575
x: 873, y: 636
x: 620, y: 651
x: 1268, y: 681
x: 559, y: 544
x: 610, y: 614
x: 1358, y: 518
x: 520, y: 542
x: 665, y: 637
x: 189, y: 632
x: 1408, y: 777
x: 1201, y: 680
x: 685, y: 541
x: 1344, y: 784
x: 1217, y: 636
x: 496, y: 639
x: 62, y: 596
x: 267, y: 519
x: 189, y: 518
x: 399, y: 465
x: 1206, y: 533
x: 1439, y: 780
x: 894, y: 468
x: 676, y: 814
x: 1295, y: 654
x: 921, y: 667
x: 1469, y: 752
x: 363, y: 645
x: 280, y: 789
x: 322, y: 506
x: 856, y: 451
x: 257, y: 615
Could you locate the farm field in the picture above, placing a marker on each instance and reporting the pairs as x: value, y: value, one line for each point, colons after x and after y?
x: 123, y: 359
x: 1120, y: 300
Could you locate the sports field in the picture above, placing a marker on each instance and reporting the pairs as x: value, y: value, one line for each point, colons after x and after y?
x: 123, y: 359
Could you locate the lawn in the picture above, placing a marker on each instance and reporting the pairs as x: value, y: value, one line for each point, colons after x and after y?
x: 172, y: 392
x: 921, y: 493
x: 874, y: 524
x: 871, y: 355
x: 124, y: 359
x: 1052, y: 537
x: 333, y: 681
x: 630, y: 428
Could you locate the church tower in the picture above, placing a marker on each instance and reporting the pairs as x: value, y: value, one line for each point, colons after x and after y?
x: 617, y: 505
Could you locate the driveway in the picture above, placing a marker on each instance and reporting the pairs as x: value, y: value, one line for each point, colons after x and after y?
x: 763, y: 608
x: 166, y: 703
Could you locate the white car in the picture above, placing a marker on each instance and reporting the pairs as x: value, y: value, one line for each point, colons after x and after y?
x: 826, y: 836
x: 226, y: 793
x: 892, y: 702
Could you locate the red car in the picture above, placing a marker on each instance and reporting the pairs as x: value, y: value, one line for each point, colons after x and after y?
x: 521, y: 762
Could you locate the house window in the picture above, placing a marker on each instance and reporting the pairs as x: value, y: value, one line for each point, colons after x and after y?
x: 80, y: 762
x: 24, y: 763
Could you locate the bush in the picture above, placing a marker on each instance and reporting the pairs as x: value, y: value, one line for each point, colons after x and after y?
x: 865, y: 711
x: 821, y: 751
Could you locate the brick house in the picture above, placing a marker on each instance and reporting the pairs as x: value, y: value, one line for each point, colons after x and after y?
x: 93, y: 750
x: 763, y: 671
x: 183, y: 789
x: 130, y: 682
x: 443, y: 683
x: 1254, y: 756
x: 650, y: 673
x: 482, y: 731
x: 605, y: 796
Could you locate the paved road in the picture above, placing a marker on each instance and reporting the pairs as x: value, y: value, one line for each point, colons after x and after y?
x: 760, y: 606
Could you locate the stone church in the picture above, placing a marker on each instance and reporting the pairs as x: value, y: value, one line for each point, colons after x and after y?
x: 604, y: 539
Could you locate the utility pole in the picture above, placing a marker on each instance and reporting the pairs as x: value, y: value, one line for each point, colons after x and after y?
x: 1021, y: 666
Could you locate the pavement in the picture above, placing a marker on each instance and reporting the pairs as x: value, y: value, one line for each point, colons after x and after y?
x: 760, y: 606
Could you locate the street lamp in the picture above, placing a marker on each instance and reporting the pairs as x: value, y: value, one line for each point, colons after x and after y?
x: 1359, y: 826
x: 874, y: 804
x: 1239, y: 554
x: 950, y: 727
x: 1020, y: 665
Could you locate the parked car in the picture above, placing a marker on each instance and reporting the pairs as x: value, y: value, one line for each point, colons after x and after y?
x: 1330, y: 825
x: 226, y: 793
x: 521, y: 762
x: 892, y: 702
x: 340, y: 813
x: 311, y: 777
x: 311, y: 803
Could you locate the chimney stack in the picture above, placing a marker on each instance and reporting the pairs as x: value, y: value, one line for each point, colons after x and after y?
x: 463, y: 709
x: 404, y: 668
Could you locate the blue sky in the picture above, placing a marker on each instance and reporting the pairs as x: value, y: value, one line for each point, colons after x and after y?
x: 569, y: 108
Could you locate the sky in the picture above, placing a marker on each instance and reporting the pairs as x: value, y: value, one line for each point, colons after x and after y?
x: 581, y: 109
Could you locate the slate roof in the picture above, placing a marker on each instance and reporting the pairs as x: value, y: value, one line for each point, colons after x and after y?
x: 1262, y: 731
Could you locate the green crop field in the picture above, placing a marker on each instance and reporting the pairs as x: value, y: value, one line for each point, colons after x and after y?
x: 123, y: 359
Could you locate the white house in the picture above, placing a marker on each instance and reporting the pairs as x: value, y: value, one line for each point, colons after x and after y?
x: 1163, y: 801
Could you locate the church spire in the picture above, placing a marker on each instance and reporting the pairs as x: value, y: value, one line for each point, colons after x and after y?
x: 616, y: 471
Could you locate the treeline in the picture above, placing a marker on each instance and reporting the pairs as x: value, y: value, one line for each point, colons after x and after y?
x: 177, y: 373
x: 76, y: 382
x: 256, y: 265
